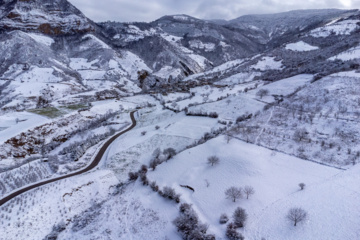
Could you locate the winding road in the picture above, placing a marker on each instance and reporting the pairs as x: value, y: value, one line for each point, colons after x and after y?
x: 94, y: 163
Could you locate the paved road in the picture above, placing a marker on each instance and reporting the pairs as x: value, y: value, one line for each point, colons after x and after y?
x: 96, y: 161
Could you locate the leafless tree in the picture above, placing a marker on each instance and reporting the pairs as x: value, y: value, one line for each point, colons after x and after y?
x: 300, y: 134
x: 262, y: 93
x: 296, y: 215
x: 248, y: 190
x: 213, y: 160
x: 228, y: 137
x: 233, y: 193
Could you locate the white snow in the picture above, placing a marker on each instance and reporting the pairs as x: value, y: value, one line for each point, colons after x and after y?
x: 200, y: 60
x: 345, y: 27
x: 181, y: 17
x: 131, y: 63
x: 95, y: 43
x: 26, y: 121
x: 171, y: 38
x: 42, y: 39
x: 82, y: 63
x: 239, y: 78
x: 275, y: 178
x: 300, y: 47
x: 207, y: 47
x: 352, y: 53
x: 221, y: 68
x: 284, y: 87
x: 268, y: 63
x: 168, y: 71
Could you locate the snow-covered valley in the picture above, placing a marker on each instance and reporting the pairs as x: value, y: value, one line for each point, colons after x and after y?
x: 180, y: 128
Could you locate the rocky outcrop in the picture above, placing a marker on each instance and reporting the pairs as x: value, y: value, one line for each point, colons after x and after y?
x: 52, y: 17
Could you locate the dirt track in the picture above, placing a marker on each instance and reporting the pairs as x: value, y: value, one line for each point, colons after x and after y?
x: 96, y: 161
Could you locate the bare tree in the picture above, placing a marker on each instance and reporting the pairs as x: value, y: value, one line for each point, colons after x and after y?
x: 296, y: 215
x: 228, y: 137
x: 239, y: 217
x: 213, y: 160
x: 153, y: 163
x: 156, y: 153
x: 302, y: 186
x: 233, y: 193
x: 300, y: 134
x: 169, y: 153
x: 248, y: 190
x: 262, y: 93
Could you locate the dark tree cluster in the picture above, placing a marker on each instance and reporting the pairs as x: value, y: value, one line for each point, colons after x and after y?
x: 189, y: 226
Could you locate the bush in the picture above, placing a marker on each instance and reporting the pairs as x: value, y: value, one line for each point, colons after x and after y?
x: 154, y: 186
x: 133, y: 176
x: 232, y: 233
x: 223, y: 218
x: 239, y: 217
x: 189, y: 226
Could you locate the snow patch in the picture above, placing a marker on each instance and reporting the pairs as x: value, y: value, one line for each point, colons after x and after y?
x: 268, y: 63
x: 338, y: 28
x: 207, y: 47
x: 300, y: 47
x: 352, y: 53
x: 42, y: 39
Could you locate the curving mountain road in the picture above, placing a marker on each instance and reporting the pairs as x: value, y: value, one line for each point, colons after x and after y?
x: 96, y: 161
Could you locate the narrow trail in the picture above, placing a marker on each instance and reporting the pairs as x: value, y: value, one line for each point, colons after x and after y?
x: 263, y: 129
x: 94, y: 164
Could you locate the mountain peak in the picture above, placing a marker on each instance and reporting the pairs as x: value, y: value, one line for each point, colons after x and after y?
x: 53, y: 17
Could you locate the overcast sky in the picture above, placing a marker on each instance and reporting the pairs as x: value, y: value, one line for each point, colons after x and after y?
x: 149, y: 10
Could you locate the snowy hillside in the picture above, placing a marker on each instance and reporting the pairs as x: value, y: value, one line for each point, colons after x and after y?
x: 181, y: 128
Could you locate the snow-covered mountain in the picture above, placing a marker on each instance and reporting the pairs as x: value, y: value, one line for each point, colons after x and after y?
x: 49, y: 17
x: 261, y: 102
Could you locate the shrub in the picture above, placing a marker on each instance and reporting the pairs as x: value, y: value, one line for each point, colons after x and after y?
x: 133, y: 176
x: 239, y: 217
x: 232, y: 233
x: 223, y: 218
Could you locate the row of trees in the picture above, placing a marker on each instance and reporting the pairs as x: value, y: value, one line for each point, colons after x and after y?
x: 235, y: 193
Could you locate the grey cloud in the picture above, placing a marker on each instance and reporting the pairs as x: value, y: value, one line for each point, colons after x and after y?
x: 149, y: 10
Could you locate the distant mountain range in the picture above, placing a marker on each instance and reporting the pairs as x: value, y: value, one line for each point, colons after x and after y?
x: 40, y: 36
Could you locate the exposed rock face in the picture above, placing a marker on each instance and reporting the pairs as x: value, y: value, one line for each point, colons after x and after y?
x: 52, y: 17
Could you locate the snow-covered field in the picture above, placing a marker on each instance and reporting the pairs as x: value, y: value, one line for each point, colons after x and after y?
x: 345, y: 27
x: 267, y: 63
x: 275, y: 178
x: 300, y: 47
x: 14, y: 123
x: 352, y: 53
x: 283, y: 87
